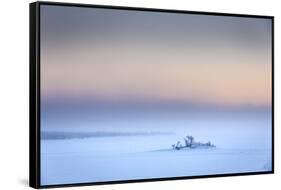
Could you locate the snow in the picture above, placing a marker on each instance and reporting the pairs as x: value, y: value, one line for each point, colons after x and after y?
x: 140, y: 157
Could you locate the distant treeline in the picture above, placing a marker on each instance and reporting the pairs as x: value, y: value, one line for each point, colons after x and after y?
x: 55, y: 135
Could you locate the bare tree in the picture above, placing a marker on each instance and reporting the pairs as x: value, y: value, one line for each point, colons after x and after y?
x: 189, y: 140
x: 186, y: 142
x: 178, y: 146
x: 190, y: 143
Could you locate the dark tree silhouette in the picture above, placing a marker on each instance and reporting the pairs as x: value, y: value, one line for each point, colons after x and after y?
x: 190, y: 143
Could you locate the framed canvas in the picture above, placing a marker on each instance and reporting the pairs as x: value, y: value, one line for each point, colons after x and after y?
x: 126, y: 94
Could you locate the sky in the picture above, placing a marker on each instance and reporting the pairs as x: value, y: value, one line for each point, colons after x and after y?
x: 92, y: 57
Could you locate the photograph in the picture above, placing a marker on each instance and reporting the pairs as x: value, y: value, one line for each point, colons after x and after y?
x: 136, y: 94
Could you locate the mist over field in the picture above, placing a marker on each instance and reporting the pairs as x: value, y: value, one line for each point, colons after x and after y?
x: 127, y: 148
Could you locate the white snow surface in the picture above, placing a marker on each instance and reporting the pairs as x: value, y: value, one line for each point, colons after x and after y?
x: 140, y: 157
x: 243, y: 144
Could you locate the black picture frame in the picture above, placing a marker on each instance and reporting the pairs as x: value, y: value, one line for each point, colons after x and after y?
x: 34, y: 92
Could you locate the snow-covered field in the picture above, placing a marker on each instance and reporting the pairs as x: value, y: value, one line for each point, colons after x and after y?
x: 239, y: 148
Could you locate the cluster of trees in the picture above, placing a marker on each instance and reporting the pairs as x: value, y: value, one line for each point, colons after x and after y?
x: 190, y: 143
